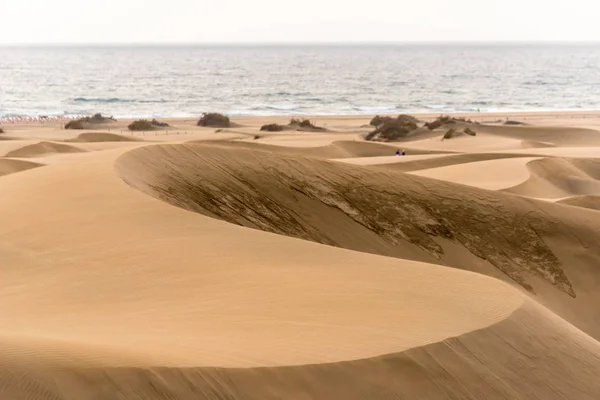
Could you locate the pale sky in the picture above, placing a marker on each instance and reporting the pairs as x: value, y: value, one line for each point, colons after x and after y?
x: 202, y: 21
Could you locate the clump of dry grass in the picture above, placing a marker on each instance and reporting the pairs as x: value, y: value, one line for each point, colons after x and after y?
x: 140, y: 125
x: 75, y: 124
x: 82, y: 123
x: 304, y: 124
x: 159, y: 124
x: 439, y: 121
x: 271, y: 128
x: 469, y: 131
x: 214, y: 120
x: 392, y: 130
x: 379, y: 120
x: 450, y: 133
x: 446, y: 119
x: 98, y: 119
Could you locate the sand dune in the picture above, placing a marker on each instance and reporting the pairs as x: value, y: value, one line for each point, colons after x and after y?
x: 229, y: 270
x: 335, y: 150
x: 591, y: 202
x: 42, y: 148
x: 490, y: 174
x: 561, y: 177
x: 548, y: 135
x: 8, y: 166
x: 94, y: 137
x: 415, y: 163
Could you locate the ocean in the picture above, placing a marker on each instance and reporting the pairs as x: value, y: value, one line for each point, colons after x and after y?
x: 184, y: 81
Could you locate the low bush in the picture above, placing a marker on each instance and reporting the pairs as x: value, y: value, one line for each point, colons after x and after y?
x: 271, y: 128
x: 159, y: 124
x: 439, y: 121
x: 76, y: 124
x: 214, y: 120
x: 304, y: 123
x: 140, y: 125
x: 450, y: 133
x: 392, y: 130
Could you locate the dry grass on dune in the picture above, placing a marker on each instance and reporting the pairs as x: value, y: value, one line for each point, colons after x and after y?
x: 283, y: 195
x: 42, y: 148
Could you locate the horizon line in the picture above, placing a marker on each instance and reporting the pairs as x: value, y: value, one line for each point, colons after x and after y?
x: 307, y: 43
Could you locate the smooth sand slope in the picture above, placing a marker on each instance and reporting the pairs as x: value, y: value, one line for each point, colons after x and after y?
x: 229, y: 270
x: 43, y: 148
x: 561, y: 177
x: 9, y: 166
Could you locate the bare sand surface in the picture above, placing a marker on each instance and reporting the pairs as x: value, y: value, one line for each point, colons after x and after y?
x: 203, y: 263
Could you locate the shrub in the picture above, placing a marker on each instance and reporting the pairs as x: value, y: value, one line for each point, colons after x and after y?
x: 159, y: 124
x: 214, y: 120
x: 450, y: 133
x: 140, y: 125
x: 1, y: 130
x: 256, y: 137
x: 379, y: 120
x: 76, y: 124
x: 470, y: 132
x: 98, y: 119
x: 303, y: 123
x: 392, y: 130
x: 441, y: 120
x: 272, y: 128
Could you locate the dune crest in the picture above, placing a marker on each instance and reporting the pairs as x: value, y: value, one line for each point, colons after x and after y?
x: 8, y: 166
x: 41, y: 148
x: 278, y: 194
x: 560, y: 177
x: 95, y: 137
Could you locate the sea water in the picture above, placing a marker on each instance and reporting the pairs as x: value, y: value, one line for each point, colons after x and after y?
x: 181, y: 81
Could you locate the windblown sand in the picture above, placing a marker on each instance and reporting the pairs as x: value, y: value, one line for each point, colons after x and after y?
x: 239, y: 264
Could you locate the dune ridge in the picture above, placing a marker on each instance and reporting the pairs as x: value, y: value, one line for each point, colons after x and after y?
x: 10, y: 166
x: 560, y: 177
x: 242, y: 194
x: 95, y: 137
x: 42, y: 148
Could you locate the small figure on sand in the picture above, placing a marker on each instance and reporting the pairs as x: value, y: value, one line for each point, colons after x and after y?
x: 403, y: 152
x: 398, y: 152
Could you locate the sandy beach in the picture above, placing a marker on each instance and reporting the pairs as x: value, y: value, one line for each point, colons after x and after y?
x: 192, y: 262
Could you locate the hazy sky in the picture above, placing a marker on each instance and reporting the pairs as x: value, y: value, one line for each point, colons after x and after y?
x: 190, y: 21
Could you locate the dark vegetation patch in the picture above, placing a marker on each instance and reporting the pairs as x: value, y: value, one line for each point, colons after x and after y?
x: 85, y: 122
x: 304, y: 124
x: 391, y: 130
x: 445, y: 120
x: 214, y: 120
x: 159, y: 124
x: 272, y: 128
x: 379, y: 120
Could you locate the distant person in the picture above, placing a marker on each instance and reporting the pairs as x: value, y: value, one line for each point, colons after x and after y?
x: 403, y: 152
x: 397, y: 152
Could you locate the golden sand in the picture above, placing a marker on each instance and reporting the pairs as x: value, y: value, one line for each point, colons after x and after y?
x: 192, y: 263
